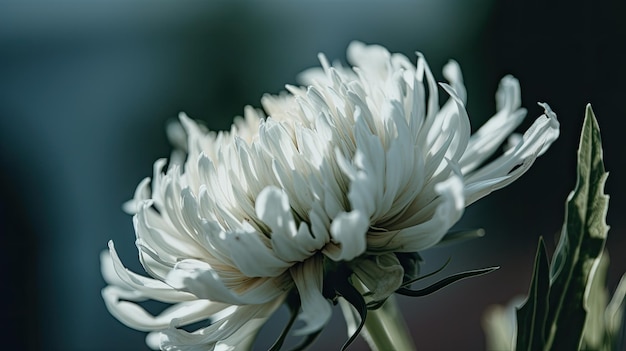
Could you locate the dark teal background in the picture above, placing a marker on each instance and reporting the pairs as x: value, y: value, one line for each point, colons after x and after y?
x: 87, y: 89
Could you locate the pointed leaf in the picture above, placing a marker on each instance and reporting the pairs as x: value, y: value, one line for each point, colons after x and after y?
x: 581, y: 243
x: 531, y: 316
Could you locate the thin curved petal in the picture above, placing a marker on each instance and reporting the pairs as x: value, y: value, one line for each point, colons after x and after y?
x: 149, y: 288
x: 243, y: 322
x: 452, y: 73
x: 138, y: 318
x: 316, y: 310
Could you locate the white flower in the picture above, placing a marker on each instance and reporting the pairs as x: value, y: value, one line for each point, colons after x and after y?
x: 359, y: 166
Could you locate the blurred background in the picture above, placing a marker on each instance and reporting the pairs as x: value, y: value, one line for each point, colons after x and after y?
x: 86, y: 89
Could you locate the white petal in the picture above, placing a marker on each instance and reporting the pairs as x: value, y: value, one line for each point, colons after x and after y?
x: 272, y: 207
x: 202, y: 280
x: 433, y: 93
x: 503, y: 171
x: 366, y: 188
x: 484, y: 142
x: 458, y: 124
x: 288, y: 243
x: 373, y: 59
x: 167, y: 244
x: 108, y: 271
x: 552, y: 132
x: 452, y: 72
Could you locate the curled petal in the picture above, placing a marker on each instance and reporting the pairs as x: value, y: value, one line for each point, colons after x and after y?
x: 138, y: 318
x: 142, y: 193
x: 147, y: 287
x: 289, y: 243
x: 349, y: 230
x: 503, y: 171
x: 153, y: 340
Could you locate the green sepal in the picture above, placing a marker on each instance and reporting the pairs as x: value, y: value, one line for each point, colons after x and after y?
x: 410, y: 262
x: 445, y: 282
x: 409, y: 282
x: 374, y: 305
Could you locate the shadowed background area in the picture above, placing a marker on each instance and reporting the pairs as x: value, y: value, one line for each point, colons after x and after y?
x: 87, y: 89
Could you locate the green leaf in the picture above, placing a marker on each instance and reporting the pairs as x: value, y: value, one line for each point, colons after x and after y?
x: 531, y: 317
x: 581, y: 244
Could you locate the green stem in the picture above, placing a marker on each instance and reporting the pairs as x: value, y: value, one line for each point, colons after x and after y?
x: 385, y: 328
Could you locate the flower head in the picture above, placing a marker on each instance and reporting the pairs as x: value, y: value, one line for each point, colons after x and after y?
x: 357, y: 168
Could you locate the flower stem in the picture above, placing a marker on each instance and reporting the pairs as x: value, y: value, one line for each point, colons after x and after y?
x: 385, y: 328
